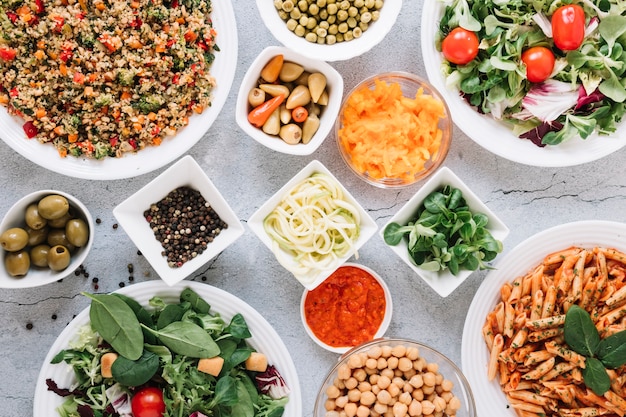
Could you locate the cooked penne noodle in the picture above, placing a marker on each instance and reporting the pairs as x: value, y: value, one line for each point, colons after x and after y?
x: 539, y: 373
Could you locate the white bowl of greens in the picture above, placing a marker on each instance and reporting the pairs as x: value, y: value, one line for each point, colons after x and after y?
x: 490, y: 96
x: 447, y: 230
x: 168, y: 313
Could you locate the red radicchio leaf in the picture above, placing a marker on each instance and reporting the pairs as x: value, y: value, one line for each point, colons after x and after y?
x: 585, y: 99
x: 536, y: 135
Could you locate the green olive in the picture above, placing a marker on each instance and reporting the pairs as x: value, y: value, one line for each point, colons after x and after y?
x: 17, y: 263
x: 37, y: 237
x: 14, y: 239
x: 77, y: 232
x: 53, y: 206
x: 57, y: 237
x: 39, y: 255
x: 61, y: 221
x: 58, y: 258
x: 33, y: 218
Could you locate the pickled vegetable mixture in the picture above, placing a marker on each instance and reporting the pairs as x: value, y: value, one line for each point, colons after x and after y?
x: 347, y: 309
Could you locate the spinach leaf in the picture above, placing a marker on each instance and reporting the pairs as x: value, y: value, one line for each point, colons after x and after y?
x: 198, y: 304
x: 238, y: 328
x: 135, y: 373
x: 225, y: 392
x: 595, y: 376
x: 170, y: 314
x: 244, y: 406
x: 580, y: 333
x: 142, y: 314
x: 116, y: 322
x: 612, y: 350
x: 187, y: 338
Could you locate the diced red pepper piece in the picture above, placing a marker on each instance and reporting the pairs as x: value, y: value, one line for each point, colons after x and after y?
x: 113, y: 141
x: 137, y: 22
x: 79, y: 77
x: 7, y: 54
x: 30, y: 129
x: 175, y: 4
x: 133, y: 143
x: 14, y: 92
x: 59, y: 21
x: 65, y: 55
x: 39, y: 6
x: 12, y: 17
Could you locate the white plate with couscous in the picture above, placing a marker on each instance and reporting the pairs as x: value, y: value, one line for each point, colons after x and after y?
x: 104, y: 97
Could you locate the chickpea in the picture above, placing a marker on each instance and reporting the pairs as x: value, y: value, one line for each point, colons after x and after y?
x: 417, y: 381
x: 362, y: 411
x: 418, y: 394
x: 392, y: 362
x: 405, y: 364
x: 332, y: 392
x: 439, y: 403
x: 429, y: 379
x: 386, y: 351
x: 354, y: 395
x: 427, y: 407
x: 329, y: 405
x: 380, y: 408
x: 341, y: 401
x: 343, y: 372
x: 400, y: 409
x: 355, y: 361
x: 432, y: 367
x: 383, y: 397
x: 371, y: 363
x: 375, y: 352
x: 415, y: 408
x: 394, y: 390
x: 368, y: 398
x: 364, y: 386
x: 350, y: 409
x: 351, y: 383
x: 360, y: 374
x: 382, y: 363
x: 383, y: 382
x: 389, y: 373
x: 405, y: 398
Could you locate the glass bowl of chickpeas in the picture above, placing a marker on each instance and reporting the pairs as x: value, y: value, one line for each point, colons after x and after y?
x: 396, y: 377
x: 329, y: 30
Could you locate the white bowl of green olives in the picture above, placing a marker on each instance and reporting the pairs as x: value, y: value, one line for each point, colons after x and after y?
x: 329, y: 30
x: 289, y: 102
x: 44, y: 237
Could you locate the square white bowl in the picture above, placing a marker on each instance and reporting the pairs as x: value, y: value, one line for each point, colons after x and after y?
x: 334, y: 85
x: 185, y: 172
x: 443, y: 282
x: 368, y: 226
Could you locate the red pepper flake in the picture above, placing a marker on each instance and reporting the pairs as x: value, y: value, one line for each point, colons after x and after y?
x: 30, y: 129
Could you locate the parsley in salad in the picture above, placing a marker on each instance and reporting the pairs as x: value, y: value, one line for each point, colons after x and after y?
x: 160, y: 348
x: 585, y: 92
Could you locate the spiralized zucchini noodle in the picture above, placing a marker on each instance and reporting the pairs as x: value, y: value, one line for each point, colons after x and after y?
x: 313, y: 227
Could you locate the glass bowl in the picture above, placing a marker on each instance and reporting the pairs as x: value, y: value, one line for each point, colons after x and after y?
x: 428, y: 361
x: 380, y: 167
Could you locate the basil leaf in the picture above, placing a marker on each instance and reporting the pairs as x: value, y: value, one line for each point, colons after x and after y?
x: 580, y: 333
x: 135, y: 373
x: 595, y: 376
x: 612, y: 350
x: 197, y: 303
x: 116, y: 322
x: 187, y: 338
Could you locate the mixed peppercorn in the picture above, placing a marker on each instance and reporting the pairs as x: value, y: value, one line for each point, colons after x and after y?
x: 184, y: 223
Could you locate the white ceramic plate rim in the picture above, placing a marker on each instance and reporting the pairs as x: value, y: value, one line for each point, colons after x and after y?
x: 384, y: 325
x: 490, y: 401
x: 129, y: 214
x: 496, y: 137
x: 339, y: 51
x: 37, y: 277
x: 368, y: 225
x: 264, y: 339
x: 327, y: 118
x: 443, y: 283
x: 151, y: 158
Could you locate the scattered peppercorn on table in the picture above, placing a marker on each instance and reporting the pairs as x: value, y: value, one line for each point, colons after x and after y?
x: 528, y: 199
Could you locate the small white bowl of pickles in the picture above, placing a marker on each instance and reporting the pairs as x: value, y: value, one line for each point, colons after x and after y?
x: 289, y: 102
x: 44, y: 237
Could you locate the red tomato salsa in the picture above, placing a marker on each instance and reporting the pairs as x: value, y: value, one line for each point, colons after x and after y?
x: 347, y: 309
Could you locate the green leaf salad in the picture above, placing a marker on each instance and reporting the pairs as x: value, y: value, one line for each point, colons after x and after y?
x: 585, y: 92
x: 160, y: 347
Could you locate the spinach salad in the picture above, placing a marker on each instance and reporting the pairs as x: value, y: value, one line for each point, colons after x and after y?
x: 157, y: 369
x: 566, y: 88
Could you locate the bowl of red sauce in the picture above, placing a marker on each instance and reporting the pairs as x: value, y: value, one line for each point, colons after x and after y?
x: 352, y: 306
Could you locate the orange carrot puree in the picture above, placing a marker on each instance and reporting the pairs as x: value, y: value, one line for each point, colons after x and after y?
x: 347, y: 309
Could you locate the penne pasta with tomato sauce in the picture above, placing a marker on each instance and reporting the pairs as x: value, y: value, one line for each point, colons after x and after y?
x: 538, y: 372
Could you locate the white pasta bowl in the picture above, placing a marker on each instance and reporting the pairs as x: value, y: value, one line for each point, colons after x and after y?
x: 339, y: 51
x: 317, y: 274
x: 38, y: 276
x: 334, y: 87
x: 362, y: 295
x: 130, y: 215
x: 442, y: 282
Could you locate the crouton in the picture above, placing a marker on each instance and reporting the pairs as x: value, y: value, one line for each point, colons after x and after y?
x: 211, y: 366
x: 256, y: 362
x: 106, y: 362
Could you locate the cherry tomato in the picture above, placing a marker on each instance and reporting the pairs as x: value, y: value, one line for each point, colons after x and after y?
x: 539, y: 62
x: 148, y: 402
x: 460, y: 46
x: 568, y: 27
